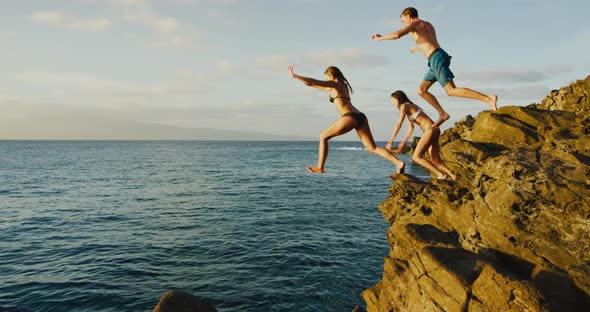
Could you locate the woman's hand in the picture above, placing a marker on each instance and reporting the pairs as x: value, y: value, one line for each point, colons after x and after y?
x: 388, y: 146
x: 291, y: 72
x: 400, y: 148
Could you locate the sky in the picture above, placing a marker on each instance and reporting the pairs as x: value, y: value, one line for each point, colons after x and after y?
x: 120, y: 69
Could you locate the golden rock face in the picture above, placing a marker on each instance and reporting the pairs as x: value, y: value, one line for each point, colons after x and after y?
x: 513, y: 232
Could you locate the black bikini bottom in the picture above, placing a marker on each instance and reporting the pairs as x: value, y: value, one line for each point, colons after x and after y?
x: 360, y: 118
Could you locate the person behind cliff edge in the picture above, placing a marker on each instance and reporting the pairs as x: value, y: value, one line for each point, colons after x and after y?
x: 350, y: 118
x: 438, y: 60
x: 429, y: 139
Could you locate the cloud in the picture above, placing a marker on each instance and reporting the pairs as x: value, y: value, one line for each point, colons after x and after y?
x: 275, y: 62
x: 175, y: 42
x: 527, y: 94
x: 170, y: 33
x: 505, y: 75
x: 219, y: 17
x: 350, y: 56
x: 517, y: 75
x: 225, y: 67
x: 204, y: 1
x: 58, y: 19
x: 129, y: 2
x: 157, y: 23
x: 559, y: 69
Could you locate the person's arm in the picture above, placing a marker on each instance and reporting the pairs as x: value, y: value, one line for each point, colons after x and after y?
x: 398, y: 126
x: 402, y: 145
x: 318, y: 84
x: 415, y: 49
x: 396, y: 34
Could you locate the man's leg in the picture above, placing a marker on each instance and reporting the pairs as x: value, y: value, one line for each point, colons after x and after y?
x: 453, y: 90
x: 423, y: 92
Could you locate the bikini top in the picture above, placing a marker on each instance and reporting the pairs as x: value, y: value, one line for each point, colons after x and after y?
x: 415, y: 115
x: 338, y: 97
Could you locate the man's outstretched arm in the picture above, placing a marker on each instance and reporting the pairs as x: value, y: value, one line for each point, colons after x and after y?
x: 396, y: 34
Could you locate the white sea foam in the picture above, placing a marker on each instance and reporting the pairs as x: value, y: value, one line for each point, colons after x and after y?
x: 350, y: 148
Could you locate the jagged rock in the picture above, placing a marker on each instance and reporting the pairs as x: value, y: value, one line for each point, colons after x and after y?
x: 181, y: 301
x: 513, y: 232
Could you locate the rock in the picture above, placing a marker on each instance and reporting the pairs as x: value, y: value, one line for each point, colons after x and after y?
x: 181, y: 301
x: 513, y: 232
x: 358, y: 309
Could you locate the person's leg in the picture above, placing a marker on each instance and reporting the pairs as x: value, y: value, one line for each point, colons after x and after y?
x: 364, y: 133
x: 434, y: 151
x: 423, y: 92
x: 453, y: 90
x: 340, y: 126
x: 421, y: 147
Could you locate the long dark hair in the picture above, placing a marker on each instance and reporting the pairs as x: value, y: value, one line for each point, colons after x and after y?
x: 401, y: 97
x: 338, y: 75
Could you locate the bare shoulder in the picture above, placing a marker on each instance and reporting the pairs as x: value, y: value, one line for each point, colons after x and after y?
x: 428, y: 25
x: 404, y: 108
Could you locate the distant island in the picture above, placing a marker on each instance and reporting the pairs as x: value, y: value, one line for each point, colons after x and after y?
x: 64, y: 128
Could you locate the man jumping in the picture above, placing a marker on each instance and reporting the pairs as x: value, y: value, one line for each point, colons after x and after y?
x: 438, y: 60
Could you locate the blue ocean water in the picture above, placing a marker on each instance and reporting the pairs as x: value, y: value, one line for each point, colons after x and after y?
x: 111, y: 226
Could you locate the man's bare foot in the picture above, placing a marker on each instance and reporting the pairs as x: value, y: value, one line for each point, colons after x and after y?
x: 315, y: 170
x: 441, y: 118
x: 494, y: 102
x: 401, y: 168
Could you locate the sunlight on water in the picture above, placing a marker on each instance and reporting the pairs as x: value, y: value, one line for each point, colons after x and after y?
x: 111, y: 226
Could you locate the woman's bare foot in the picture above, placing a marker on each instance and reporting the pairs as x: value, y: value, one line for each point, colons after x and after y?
x: 493, y: 102
x: 315, y: 170
x: 401, y: 168
x: 441, y: 118
x: 442, y: 177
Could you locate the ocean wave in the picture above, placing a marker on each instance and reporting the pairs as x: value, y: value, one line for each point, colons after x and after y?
x: 350, y: 148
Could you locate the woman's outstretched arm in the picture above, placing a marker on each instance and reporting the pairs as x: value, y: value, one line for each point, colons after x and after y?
x: 398, y: 126
x: 402, y: 145
x: 318, y: 84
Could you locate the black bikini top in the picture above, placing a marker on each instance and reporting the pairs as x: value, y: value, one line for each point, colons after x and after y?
x: 338, y: 97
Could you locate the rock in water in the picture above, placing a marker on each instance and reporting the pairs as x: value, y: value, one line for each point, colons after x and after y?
x: 513, y: 232
x: 181, y: 301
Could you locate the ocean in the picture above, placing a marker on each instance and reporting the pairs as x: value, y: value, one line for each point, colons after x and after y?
x: 113, y: 225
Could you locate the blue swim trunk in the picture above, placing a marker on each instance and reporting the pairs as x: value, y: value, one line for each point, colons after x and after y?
x: 439, y: 62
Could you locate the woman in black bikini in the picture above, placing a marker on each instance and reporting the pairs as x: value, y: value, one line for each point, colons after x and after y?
x: 350, y: 118
x: 429, y: 139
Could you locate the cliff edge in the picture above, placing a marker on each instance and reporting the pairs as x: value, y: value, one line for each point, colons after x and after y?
x: 513, y: 232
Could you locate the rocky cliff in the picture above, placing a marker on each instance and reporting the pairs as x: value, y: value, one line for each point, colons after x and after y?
x: 513, y: 232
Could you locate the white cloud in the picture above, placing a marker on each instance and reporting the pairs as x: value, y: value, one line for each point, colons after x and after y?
x: 504, y: 75
x: 559, y: 69
x: 170, y: 33
x: 219, y: 17
x: 175, y: 42
x: 273, y: 62
x: 517, y: 74
x: 129, y: 2
x: 49, y: 18
x: 58, y: 19
x: 225, y: 67
x: 350, y: 56
x: 157, y: 23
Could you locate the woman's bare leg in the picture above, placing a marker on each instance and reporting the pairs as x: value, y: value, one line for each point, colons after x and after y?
x: 339, y: 127
x: 423, y: 144
x: 434, y: 151
x: 366, y: 137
